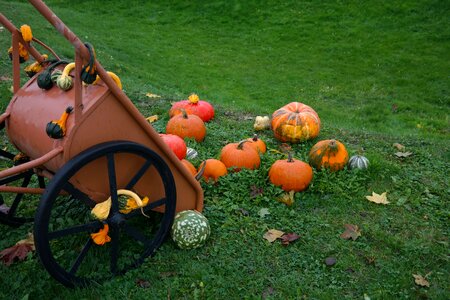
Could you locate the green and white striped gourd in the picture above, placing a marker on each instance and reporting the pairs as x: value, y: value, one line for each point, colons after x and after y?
x: 358, y: 162
x: 190, y: 229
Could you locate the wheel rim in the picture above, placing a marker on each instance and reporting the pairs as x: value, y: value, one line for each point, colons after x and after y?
x: 63, y: 224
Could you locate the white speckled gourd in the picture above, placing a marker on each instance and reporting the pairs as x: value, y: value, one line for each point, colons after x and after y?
x: 190, y: 229
x: 358, y: 162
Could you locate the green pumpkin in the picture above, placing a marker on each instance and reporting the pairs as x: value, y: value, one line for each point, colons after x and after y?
x: 190, y: 229
x: 358, y: 162
x: 64, y: 82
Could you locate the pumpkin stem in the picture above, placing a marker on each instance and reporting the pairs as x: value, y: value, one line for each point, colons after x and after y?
x: 255, y: 137
x: 290, y: 159
x: 184, y: 113
x: 200, y: 172
x: 241, y: 144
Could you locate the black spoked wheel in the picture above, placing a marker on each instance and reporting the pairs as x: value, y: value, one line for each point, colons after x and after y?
x: 64, y: 222
x: 15, y: 210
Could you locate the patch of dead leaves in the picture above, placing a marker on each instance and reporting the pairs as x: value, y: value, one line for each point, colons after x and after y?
x: 421, y: 280
x: 351, y: 232
x: 287, y: 198
x: 286, y: 238
x: 379, y: 199
x: 20, y: 250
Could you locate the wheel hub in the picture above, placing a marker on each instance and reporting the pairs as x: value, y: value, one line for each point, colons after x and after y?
x: 117, y: 220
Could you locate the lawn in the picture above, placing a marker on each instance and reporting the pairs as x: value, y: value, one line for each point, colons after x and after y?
x: 376, y: 73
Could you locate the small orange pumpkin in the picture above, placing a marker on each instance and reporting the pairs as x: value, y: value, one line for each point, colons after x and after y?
x: 214, y: 168
x: 295, y: 122
x: 330, y: 154
x: 240, y: 155
x: 187, y: 126
x: 189, y: 166
x: 291, y: 174
x: 257, y: 144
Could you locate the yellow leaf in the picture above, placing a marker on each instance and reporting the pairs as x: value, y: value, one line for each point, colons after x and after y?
x: 399, y: 147
x: 420, y: 280
x: 287, y: 198
x: 28, y: 241
x: 152, y: 119
x: 273, y: 234
x: 379, y: 199
x: 150, y: 95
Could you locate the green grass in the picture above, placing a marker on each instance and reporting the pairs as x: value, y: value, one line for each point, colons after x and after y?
x: 376, y: 73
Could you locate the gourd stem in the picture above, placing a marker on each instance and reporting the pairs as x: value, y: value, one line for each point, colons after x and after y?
x: 184, y: 113
x: 255, y: 137
x: 200, y: 172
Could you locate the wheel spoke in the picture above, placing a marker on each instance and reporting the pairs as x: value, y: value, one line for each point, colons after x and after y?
x: 80, y: 257
x: 112, y: 183
x: 114, y: 249
x: 77, y: 194
x: 19, y: 196
x: 138, y: 175
x: 136, y: 234
x: 89, y: 227
x: 6, y: 154
x: 146, y: 208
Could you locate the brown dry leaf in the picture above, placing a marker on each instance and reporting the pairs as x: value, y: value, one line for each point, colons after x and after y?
x: 403, y: 154
x: 256, y: 191
x: 143, y: 283
x: 5, y: 78
x: 399, y: 147
x: 20, y: 250
x: 288, y: 238
x: 150, y: 95
x: 351, y: 232
x: 285, y: 148
x: 379, y: 199
x: 287, y: 198
x: 420, y: 280
x: 152, y: 119
x: 273, y: 234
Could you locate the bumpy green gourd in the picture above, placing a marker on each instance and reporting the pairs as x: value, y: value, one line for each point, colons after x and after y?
x: 190, y: 229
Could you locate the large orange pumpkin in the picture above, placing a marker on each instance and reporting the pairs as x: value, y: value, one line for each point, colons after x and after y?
x: 330, y: 154
x: 257, y: 144
x: 194, y: 106
x: 240, y: 155
x: 295, y: 122
x: 214, y: 168
x: 291, y: 174
x: 187, y: 126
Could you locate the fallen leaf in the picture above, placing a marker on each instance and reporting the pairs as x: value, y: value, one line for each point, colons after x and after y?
x: 351, y: 232
x: 330, y: 261
x: 263, y: 212
x: 167, y: 274
x: 5, y: 78
x: 285, y: 148
x: 20, y: 250
x: 267, y: 293
x: 142, y: 283
x: 420, y: 280
x: 4, y: 209
x: 379, y: 199
x: 287, y: 198
x: 394, y: 108
x: 273, y: 234
x: 403, y: 154
x: 399, y: 147
x: 366, y: 297
x: 255, y: 191
x: 288, y: 238
x: 150, y: 95
x: 152, y: 119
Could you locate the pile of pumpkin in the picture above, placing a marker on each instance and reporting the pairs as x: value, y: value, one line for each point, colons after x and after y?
x: 292, y: 123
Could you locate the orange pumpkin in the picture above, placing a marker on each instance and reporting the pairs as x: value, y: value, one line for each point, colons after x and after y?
x: 240, y: 155
x: 187, y: 126
x: 214, y: 168
x: 257, y: 144
x: 291, y: 174
x: 189, y: 166
x: 330, y: 154
x: 295, y: 122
